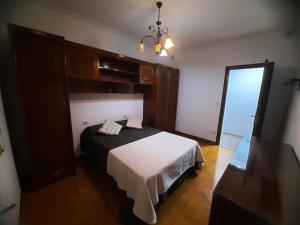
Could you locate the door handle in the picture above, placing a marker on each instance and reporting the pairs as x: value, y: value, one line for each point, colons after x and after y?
x: 256, y: 116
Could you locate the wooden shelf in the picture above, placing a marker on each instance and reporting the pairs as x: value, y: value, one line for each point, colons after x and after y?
x: 99, y: 81
x: 118, y: 71
x: 110, y: 86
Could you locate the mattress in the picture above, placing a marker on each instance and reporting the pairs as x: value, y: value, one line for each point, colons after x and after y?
x: 144, y: 162
x: 99, y: 145
x: 148, y: 167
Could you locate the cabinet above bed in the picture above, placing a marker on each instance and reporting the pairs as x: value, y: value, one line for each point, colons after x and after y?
x: 81, y: 64
x: 91, y: 70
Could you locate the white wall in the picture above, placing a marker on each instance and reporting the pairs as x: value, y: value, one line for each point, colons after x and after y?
x: 73, y: 27
x: 9, y: 185
x: 202, y: 72
x: 292, y: 133
x: 241, y: 101
x: 96, y: 108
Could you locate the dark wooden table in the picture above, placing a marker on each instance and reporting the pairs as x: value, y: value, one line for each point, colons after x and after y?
x: 261, y: 186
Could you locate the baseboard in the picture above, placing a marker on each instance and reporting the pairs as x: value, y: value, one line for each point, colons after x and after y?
x: 198, y: 139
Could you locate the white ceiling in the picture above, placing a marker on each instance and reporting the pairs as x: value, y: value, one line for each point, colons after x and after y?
x: 190, y: 22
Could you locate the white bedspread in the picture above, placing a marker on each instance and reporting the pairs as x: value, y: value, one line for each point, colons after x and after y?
x: 149, y: 166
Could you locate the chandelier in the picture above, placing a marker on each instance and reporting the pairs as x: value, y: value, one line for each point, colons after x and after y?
x: 157, y: 37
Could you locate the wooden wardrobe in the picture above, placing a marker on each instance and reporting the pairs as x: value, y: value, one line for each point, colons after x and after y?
x: 37, y: 108
x: 35, y: 95
x: 160, y: 102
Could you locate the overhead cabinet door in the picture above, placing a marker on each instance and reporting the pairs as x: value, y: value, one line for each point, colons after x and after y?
x: 81, y: 64
x: 146, y: 74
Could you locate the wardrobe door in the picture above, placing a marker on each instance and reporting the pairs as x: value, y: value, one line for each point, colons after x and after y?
x: 42, y: 89
x: 150, y: 101
x: 172, y: 99
x: 167, y: 90
x: 163, y: 86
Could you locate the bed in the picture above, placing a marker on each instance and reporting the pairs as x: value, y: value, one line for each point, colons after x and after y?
x: 143, y: 162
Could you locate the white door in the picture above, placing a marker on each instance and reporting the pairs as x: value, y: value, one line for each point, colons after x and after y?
x: 9, y: 185
x: 242, y: 97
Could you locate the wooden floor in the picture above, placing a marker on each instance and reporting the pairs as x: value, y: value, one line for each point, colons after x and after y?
x: 92, y: 198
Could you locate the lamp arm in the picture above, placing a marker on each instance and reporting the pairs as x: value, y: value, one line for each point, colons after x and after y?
x: 149, y: 36
x: 165, y: 33
x: 152, y: 28
x: 165, y: 30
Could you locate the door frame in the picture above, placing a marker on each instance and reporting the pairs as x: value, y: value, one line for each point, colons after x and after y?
x: 263, y: 96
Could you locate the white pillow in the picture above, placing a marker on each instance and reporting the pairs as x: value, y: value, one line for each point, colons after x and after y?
x: 111, y: 128
x: 134, y: 122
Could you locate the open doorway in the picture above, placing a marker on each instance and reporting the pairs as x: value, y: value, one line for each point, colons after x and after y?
x: 244, y: 99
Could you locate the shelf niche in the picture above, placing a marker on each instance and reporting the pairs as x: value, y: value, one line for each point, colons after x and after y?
x: 90, y: 86
x: 117, y: 69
